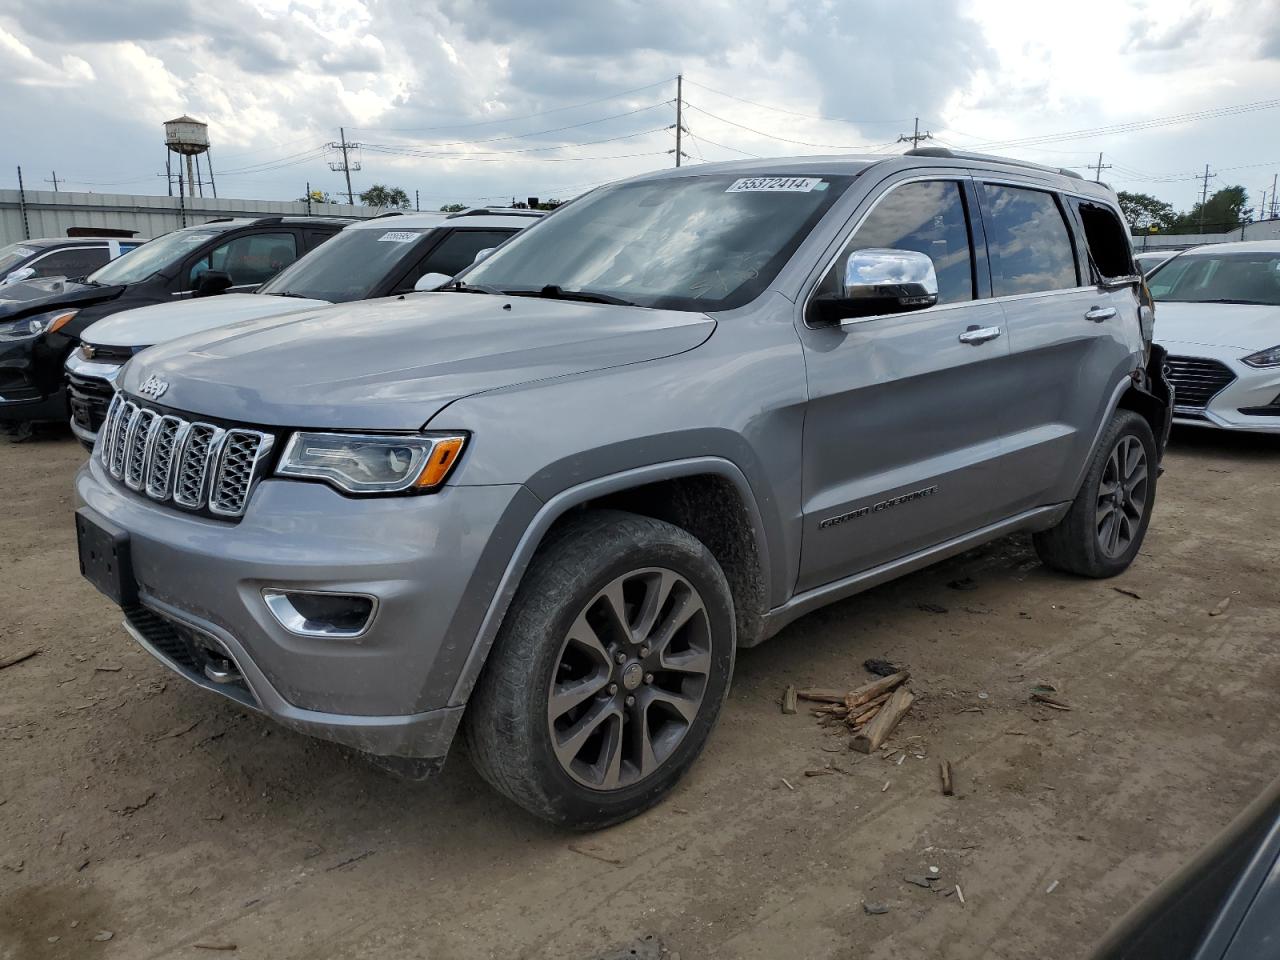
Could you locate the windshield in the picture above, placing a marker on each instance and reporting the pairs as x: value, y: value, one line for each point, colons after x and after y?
x: 1219, y: 278
x: 349, y: 266
x: 12, y: 255
x: 694, y: 243
x: 142, y: 262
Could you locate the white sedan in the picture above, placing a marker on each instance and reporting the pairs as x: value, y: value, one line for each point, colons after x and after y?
x: 1218, y: 315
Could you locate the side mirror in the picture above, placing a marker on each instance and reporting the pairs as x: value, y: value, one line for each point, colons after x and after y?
x: 211, y: 283
x: 25, y: 273
x: 881, y: 280
x: 483, y: 253
x: 431, y: 281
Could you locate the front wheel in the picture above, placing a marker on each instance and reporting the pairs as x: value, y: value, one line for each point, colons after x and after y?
x: 608, y: 673
x: 1104, y: 529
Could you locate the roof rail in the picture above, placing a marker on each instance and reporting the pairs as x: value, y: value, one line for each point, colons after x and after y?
x: 268, y: 219
x: 966, y: 155
x: 389, y: 213
x: 495, y: 212
x: 218, y: 220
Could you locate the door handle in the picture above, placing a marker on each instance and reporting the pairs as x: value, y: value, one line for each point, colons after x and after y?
x: 1098, y: 314
x: 977, y: 335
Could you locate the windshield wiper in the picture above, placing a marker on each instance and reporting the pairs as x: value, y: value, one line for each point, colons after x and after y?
x: 1256, y: 303
x: 553, y: 291
x: 461, y: 286
x: 290, y: 293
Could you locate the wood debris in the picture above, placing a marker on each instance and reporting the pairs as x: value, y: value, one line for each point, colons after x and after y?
x: 948, y: 787
x: 215, y: 946
x: 17, y: 658
x: 1127, y: 593
x: 1049, y: 701
x: 884, y: 722
x: 1217, y: 611
x: 789, y: 699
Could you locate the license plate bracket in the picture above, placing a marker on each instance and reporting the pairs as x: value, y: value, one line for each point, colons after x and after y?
x: 105, y: 558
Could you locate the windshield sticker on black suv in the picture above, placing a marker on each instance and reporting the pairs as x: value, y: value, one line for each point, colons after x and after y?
x: 398, y: 236
x: 776, y: 185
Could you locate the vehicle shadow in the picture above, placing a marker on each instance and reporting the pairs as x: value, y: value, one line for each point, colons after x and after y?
x: 1203, y: 443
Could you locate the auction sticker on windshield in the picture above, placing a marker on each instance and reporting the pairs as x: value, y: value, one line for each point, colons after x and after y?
x: 777, y: 185
x: 398, y: 236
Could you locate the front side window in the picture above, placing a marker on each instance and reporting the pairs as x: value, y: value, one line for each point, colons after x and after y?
x: 1107, y: 240
x: 1027, y: 241
x: 458, y: 251
x: 12, y: 255
x: 927, y: 217
x: 159, y: 254
x: 249, y: 260
x: 700, y: 243
x: 72, y: 262
x: 1219, y: 278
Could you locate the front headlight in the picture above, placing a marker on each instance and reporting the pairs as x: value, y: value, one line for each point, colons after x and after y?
x: 373, y: 463
x: 50, y: 322
x: 1264, y: 358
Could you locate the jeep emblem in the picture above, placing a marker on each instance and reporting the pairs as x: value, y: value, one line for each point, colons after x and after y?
x: 153, y: 387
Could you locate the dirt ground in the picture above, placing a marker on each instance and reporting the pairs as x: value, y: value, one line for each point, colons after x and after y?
x: 135, y: 805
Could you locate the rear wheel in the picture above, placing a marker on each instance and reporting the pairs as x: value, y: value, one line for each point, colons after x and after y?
x: 608, y: 672
x: 1104, y: 529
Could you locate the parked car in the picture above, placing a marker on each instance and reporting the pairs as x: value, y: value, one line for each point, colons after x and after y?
x: 1220, y: 323
x: 41, y: 320
x: 1148, y: 260
x: 371, y: 258
x: 72, y: 257
x: 1223, y: 905
x: 548, y: 503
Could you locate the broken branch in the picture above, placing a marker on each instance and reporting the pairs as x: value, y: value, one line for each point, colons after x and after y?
x: 879, y: 727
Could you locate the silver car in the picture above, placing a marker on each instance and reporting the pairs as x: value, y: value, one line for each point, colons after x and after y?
x: 547, y: 504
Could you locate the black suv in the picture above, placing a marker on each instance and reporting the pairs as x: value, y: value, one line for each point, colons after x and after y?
x: 40, y: 320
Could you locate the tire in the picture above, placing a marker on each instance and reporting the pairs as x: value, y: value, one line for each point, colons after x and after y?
x: 560, y: 628
x: 1104, y: 529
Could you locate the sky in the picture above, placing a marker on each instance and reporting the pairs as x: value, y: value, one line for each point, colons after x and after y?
x: 480, y: 101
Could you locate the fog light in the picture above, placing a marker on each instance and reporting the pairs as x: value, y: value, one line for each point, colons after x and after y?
x: 311, y: 613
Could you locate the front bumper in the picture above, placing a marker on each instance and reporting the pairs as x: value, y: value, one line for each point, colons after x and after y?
x: 432, y: 562
x: 90, y: 386
x: 1248, y: 402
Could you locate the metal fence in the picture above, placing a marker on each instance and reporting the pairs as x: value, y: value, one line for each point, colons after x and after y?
x: 25, y: 215
x: 1262, y: 230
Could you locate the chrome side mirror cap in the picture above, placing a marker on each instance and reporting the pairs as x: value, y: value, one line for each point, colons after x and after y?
x: 901, y: 279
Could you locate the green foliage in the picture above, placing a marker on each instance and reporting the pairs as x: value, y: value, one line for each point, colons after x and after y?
x: 1145, y: 213
x: 381, y: 196
x: 453, y: 207
x: 1223, y: 212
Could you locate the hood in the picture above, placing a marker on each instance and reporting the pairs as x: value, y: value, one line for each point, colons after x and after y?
x: 162, y: 322
x: 393, y: 363
x: 36, y: 296
x: 1244, y: 326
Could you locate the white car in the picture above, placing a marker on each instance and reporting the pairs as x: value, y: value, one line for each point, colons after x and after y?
x: 1148, y: 260
x: 1218, y: 315
x: 385, y: 256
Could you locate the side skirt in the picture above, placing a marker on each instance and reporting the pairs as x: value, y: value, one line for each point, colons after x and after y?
x: 1041, y: 518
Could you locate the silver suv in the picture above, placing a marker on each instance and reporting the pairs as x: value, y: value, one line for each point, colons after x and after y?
x: 549, y: 502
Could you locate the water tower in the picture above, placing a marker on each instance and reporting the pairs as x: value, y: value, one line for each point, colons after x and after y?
x: 188, y: 138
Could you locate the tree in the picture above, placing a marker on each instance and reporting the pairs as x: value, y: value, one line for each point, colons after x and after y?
x: 317, y: 196
x: 1221, y: 213
x: 1145, y: 212
x: 453, y: 207
x: 380, y: 196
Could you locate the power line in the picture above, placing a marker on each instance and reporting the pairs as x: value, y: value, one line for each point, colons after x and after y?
x: 794, y: 113
x: 772, y: 136
x: 464, y: 154
x: 527, y: 116
x: 1098, y: 167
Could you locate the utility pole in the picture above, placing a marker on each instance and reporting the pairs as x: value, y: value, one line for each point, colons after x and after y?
x: 1274, y: 179
x: 308, y: 198
x: 54, y: 181
x: 679, y: 115
x: 416, y: 208
x: 346, y: 166
x: 1098, y: 168
x: 915, y: 138
x: 22, y: 203
x: 1204, y: 195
